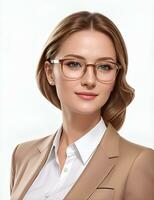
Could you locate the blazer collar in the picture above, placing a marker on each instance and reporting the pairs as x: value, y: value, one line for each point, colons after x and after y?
x: 47, y: 143
x: 110, y: 142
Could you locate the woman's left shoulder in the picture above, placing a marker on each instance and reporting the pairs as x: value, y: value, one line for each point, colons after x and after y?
x: 136, y: 151
x: 140, y: 177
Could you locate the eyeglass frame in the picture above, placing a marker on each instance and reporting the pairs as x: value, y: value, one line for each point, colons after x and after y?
x: 60, y: 61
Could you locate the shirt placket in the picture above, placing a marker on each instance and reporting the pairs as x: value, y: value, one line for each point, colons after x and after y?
x: 70, y: 152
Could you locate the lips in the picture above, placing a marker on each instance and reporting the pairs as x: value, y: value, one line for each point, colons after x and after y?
x: 87, y: 95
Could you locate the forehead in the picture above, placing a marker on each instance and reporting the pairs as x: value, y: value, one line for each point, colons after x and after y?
x: 90, y: 44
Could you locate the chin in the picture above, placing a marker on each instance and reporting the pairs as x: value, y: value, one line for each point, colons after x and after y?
x: 86, y: 111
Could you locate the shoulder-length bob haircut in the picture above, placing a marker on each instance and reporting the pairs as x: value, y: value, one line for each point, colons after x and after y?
x: 114, y: 110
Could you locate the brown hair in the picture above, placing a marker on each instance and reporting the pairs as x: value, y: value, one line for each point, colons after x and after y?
x: 114, y: 110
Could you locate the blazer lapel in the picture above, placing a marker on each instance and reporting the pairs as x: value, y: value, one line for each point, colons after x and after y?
x: 34, y: 166
x: 101, y: 163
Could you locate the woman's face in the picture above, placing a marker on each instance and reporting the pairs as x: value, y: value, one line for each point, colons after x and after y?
x: 91, y: 45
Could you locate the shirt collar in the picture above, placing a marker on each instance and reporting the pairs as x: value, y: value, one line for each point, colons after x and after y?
x: 87, y: 144
x: 90, y: 140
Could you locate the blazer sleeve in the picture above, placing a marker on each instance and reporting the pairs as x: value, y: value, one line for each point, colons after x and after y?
x: 140, y: 181
x: 12, y: 172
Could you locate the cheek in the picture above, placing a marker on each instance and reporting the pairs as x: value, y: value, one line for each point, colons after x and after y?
x: 59, y: 82
x: 106, y: 91
x: 63, y: 88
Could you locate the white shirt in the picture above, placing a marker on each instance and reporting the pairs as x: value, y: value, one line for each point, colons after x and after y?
x: 50, y: 184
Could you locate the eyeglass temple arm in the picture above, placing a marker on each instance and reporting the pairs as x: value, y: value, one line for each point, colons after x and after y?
x: 54, y: 61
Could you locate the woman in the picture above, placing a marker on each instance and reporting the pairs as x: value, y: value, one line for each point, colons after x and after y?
x: 82, y: 71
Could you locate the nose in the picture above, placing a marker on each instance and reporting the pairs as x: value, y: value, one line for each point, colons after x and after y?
x: 89, y: 78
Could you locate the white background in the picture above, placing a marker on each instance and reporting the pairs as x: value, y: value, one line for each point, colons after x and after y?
x: 25, y: 26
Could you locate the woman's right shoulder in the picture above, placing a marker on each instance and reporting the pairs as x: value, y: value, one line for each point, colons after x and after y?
x: 35, y: 142
x: 27, y: 147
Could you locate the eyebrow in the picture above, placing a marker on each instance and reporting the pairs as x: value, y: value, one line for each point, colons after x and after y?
x: 98, y: 59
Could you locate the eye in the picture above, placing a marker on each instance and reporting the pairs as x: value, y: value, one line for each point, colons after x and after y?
x: 104, y: 67
x: 72, y: 64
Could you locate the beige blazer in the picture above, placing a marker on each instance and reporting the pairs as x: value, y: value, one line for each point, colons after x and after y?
x: 118, y: 170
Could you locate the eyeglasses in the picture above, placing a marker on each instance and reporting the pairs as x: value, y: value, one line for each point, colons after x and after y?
x: 74, y: 68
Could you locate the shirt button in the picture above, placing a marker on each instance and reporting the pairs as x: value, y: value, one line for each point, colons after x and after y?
x: 65, y: 169
x: 46, y: 196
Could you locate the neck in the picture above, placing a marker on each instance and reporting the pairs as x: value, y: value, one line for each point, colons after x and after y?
x: 76, y: 125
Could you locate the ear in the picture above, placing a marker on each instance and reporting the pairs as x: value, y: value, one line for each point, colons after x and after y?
x: 48, y: 68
